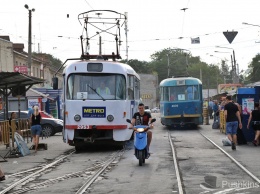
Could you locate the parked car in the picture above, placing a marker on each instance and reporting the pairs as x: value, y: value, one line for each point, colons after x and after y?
x: 45, y: 114
x: 51, y: 125
x: 155, y: 109
x: 147, y: 109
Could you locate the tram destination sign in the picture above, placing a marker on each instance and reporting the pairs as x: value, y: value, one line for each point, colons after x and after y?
x: 93, y: 112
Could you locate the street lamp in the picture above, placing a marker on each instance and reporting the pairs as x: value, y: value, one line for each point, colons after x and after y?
x: 29, y: 39
x: 234, y: 65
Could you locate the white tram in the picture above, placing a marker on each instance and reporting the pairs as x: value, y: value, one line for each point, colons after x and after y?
x: 90, y: 116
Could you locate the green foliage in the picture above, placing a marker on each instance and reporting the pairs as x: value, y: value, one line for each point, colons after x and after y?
x: 54, y: 63
x: 139, y: 66
x: 178, y: 62
x: 253, y: 76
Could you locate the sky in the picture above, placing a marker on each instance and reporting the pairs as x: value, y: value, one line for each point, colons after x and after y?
x: 153, y: 25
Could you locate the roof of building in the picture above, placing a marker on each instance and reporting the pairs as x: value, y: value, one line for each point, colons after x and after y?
x: 14, y: 79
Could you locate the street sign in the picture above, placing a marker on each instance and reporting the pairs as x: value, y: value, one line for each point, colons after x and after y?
x: 21, y: 69
x: 230, y: 35
x: 195, y: 40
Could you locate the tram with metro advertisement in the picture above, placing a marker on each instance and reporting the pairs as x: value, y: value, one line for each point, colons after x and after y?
x: 93, y: 116
x: 181, y: 102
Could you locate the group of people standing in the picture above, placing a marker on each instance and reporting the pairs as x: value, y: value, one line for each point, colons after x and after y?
x: 233, y: 117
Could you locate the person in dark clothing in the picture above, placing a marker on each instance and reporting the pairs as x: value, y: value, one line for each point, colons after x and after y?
x: 13, y: 116
x: 233, y: 120
x: 255, y: 118
x: 36, y: 128
x: 240, y: 135
x: 143, y: 118
x: 216, y: 110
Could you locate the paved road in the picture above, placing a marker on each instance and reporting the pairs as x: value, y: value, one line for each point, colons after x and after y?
x: 157, y: 175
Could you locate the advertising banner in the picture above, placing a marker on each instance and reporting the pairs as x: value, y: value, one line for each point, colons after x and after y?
x: 247, y: 105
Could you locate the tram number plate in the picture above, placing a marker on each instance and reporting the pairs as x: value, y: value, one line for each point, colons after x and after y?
x: 83, y: 126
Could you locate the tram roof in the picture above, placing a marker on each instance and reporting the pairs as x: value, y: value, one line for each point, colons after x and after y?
x: 173, y: 81
x: 71, y: 67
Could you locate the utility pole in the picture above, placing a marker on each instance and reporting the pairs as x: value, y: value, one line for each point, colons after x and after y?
x: 168, y: 66
x: 126, y: 30
x: 29, y: 39
x: 235, y: 68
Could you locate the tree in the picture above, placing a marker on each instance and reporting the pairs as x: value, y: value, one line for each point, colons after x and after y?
x: 170, y: 61
x: 53, y: 62
x: 139, y: 66
x: 254, y: 66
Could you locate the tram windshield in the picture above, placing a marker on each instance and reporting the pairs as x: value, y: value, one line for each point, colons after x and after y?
x: 179, y: 93
x: 96, y: 87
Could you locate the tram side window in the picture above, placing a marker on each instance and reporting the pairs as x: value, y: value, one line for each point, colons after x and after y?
x: 120, y: 87
x: 165, y: 96
x: 192, y: 92
x: 73, y: 87
x: 137, y: 89
x: 70, y: 87
x: 130, y: 87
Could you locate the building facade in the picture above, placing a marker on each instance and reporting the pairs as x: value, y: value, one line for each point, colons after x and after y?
x: 149, y: 90
x: 6, y: 55
x: 14, y: 59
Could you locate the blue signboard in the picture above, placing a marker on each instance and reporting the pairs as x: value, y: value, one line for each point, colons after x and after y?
x: 93, y: 112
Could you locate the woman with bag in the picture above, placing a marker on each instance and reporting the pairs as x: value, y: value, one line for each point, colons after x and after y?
x: 36, y: 128
x: 255, y: 118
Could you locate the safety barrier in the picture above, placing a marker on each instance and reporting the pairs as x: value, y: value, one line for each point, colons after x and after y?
x: 25, y: 129
x: 7, y: 134
x: 222, y: 122
x: 4, y: 132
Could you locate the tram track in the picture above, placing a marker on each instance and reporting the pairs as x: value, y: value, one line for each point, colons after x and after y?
x: 179, y: 169
x: 90, y: 174
x: 34, y: 172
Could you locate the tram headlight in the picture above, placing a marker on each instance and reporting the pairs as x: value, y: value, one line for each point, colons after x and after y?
x: 77, y: 117
x: 110, y: 118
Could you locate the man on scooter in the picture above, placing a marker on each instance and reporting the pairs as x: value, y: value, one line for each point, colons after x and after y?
x: 143, y: 118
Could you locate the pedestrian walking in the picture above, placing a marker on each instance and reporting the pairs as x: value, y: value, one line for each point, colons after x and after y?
x: 215, y: 108
x: 255, y: 118
x: 30, y: 111
x: 210, y: 108
x: 36, y: 128
x: 240, y: 135
x: 233, y: 120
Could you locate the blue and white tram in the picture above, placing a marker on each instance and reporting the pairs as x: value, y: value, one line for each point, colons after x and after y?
x: 181, y: 102
x: 90, y: 116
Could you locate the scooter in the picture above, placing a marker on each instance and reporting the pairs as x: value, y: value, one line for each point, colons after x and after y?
x: 140, y: 142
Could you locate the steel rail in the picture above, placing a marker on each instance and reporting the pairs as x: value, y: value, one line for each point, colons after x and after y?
x: 86, y: 185
x: 35, y: 173
x: 233, y: 159
x: 176, y: 166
